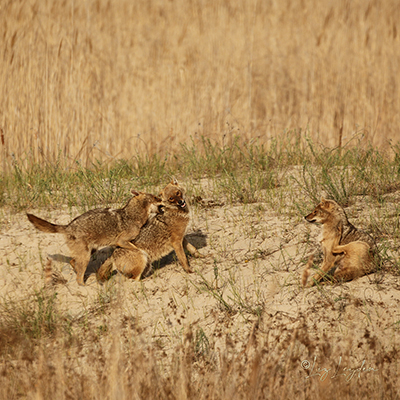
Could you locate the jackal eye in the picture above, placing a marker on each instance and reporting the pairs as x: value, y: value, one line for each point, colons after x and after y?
x: 171, y: 199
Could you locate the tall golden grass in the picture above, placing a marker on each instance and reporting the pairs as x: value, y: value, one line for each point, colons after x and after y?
x: 107, y: 79
x: 118, y: 360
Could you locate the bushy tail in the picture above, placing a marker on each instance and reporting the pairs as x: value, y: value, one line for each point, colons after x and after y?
x: 45, y: 226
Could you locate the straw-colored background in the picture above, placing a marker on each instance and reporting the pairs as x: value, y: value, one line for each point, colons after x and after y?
x: 89, y: 80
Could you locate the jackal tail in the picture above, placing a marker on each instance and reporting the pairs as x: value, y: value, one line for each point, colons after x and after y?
x: 44, y: 225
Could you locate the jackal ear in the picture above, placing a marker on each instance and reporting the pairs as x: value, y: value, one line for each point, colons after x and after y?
x: 135, y: 192
x: 323, y: 200
x: 174, y: 181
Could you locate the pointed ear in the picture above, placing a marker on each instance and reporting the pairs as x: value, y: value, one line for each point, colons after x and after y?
x: 174, y: 181
x: 135, y: 192
x: 323, y: 200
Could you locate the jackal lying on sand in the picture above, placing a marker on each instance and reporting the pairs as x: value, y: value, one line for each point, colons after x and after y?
x: 347, y: 251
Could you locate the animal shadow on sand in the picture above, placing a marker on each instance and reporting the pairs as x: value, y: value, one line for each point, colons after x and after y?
x: 198, y: 239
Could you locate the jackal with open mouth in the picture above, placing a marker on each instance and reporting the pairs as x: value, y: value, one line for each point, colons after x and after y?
x: 157, y: 238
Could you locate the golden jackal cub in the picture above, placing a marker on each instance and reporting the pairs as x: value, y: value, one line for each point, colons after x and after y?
x: 162, y: 234
x: 348, y: 253
x: 102, y: 227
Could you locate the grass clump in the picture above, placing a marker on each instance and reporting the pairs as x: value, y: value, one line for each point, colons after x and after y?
x: 243, y: 172
x: 35, y: 317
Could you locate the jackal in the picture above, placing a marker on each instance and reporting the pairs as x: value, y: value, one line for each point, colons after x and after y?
x: 164, y: 233
x: 349, y: 252
x: 102, y: 227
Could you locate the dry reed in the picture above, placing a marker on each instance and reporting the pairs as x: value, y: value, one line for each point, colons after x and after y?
x: 103, y: 80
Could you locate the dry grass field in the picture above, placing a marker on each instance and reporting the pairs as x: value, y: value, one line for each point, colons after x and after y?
x: 259, y: 108
x: 108, y: 79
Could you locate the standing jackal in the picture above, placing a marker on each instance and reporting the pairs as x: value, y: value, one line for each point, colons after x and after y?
x: 102, y: 227
x: 347, y: 251
x: 161, y: 235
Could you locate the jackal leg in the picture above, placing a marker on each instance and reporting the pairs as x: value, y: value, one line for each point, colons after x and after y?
x: 327, y: 264
x: 180, y: 253
x: 191, y: 249
x: 81, y: 257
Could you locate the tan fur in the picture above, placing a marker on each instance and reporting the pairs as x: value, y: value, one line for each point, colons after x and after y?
x: 156, y: 239
x: 102, y: 227
x: 346, y: 250
x: 48, y: 273
x: 51, y: 277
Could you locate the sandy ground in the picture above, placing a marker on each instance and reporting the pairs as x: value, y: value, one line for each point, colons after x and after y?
x: 252, y: 266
